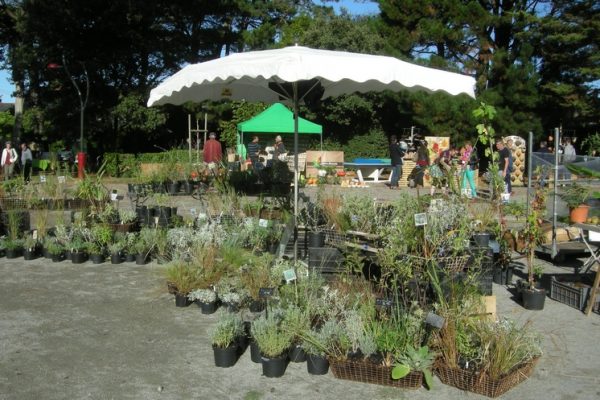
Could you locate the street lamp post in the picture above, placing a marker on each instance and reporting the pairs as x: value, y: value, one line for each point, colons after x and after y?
x: 82, y: 104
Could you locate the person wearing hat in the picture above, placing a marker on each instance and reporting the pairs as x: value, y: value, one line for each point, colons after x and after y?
x: 213, y: 152
x: 26, y: 161
x: 8, y: 160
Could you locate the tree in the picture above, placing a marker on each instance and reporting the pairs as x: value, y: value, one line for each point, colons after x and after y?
x: 569, y: 38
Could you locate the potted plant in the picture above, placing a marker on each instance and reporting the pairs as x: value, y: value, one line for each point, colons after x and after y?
x: 575, y: 196
x: 533, y: 295
x: 31, y: 248
x: 296, y: 321
x: 13, y: 247
x: 254, y: 276
x: 273, y: 343
x: 115, y: 249
x: 183, y: 278
x: 55, y: 249
x: 225, y: 339
x: 415, y: 360
x: 78, y: 249
x: 101, y: 236
x: 206, y: 299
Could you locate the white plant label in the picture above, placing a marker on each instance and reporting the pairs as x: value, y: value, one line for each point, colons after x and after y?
x: 263, y: 223
x: 43, y: 178
x: 420, y: 219
x: 289, y: 275
x: 61, y: 179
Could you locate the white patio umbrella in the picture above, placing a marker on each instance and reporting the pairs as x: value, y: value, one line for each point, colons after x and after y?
x: 293, y: 73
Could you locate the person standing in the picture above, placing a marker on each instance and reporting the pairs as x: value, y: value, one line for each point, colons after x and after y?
x: 26, y: 161
x: 279, y: 149
x: 503, y: 164
x: 470, y: 163
x: 9, y: 158
x: 544, y: 147
x: 253, y: 151
x: 569, y: 153
x: 213, y: 152
x: 397, y: 152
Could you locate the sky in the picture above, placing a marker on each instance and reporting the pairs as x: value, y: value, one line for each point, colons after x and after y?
x: 355, y: 7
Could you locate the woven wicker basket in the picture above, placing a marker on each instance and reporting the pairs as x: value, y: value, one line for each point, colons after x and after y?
x: 454, y: 264
x: 368, y: 372
x: 472, y: 381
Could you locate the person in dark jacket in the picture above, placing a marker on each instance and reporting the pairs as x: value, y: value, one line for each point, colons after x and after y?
x: 397, y: 152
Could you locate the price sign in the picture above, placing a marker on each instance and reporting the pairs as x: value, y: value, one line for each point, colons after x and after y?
x: 264, y: 292
x: 43, y: 178
x: 61, y: 179
x: 263, y: 223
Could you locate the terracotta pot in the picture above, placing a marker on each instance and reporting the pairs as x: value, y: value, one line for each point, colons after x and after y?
x: 579, y: 214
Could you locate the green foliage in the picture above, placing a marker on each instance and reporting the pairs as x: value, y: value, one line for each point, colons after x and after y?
x: 373, y: 144
x: 241, y: 111
x: 592, y: 144
x: 132, y: 115
x: 228, y: 329
x: 7, y: 123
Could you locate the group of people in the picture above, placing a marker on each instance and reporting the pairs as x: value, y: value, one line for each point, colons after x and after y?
x: 256, y: 155
x: 447, y: 168
x: 10, y: 158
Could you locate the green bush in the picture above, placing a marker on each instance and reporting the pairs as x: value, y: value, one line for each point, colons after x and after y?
x: 373, y: 144
x: 121, y: 165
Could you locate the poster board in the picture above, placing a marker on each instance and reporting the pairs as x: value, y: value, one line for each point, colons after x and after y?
x: 324, y: 158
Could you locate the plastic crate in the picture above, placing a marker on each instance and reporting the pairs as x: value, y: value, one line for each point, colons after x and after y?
x: 571, y: 290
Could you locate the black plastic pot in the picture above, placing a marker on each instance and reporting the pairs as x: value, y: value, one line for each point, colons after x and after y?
x: 141, y: 259
x: 297, y: 354
x: 534, y: 299
x: 78, y: 257
x: 255, y: 352
x: 14, y: 253
x: 30, y: 254
x: 58, y: 257
x: 317, y: 365
x: 274, y: 367
x: 116, y: 258
x: 97, y: 258
x: 130, y: 258
x: 207, y: 308
x: 188, y: 187
x: 481, y: 239
x: 257, y: 306
x: 503, y: 276
x: 181, y: 300
x: 173, y: 187
x: 316, y: 239
x: 225, y: 357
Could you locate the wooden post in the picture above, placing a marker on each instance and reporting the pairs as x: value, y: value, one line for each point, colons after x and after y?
x: 593, y: 293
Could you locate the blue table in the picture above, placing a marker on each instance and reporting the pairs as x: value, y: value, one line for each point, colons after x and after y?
x: 372, y: 168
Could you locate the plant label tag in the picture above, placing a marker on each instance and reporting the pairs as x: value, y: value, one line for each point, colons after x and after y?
x: 34, y: 234
x: 156, y: 221
x: 193, y: 212
x: 289, y: 275
x: 381, y: 302
x: 435, y: 320
x: 420, y: 219
x: 43, y: 178
x: 263, y: 223
x: 61, y: 179
x: 265, y: 292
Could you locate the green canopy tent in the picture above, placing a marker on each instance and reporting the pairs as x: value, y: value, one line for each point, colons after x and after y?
x: 276, y: 120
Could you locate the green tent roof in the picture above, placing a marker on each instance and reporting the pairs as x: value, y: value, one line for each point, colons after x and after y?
x: 278, y: 119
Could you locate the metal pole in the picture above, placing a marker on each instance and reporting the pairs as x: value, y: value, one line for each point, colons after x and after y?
x: 529, y: 167
x: 554, y: 213
x: 190, y: 137
x: 295, y: 88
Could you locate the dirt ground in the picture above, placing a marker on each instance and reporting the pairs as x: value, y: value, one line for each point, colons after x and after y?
x: 113, y: 332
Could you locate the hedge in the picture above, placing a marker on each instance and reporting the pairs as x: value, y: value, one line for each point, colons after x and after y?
x: 128, y: 165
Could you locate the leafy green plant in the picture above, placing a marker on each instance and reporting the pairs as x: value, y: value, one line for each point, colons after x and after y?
x: 228, y: 329
x: 271, y: 339
x: 575, y: 194
x: 420, y: 359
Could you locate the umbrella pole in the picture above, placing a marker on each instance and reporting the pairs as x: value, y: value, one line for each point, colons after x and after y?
x: 295, y: 99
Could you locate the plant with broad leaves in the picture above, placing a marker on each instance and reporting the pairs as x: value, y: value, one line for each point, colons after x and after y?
x: 420, y: 359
